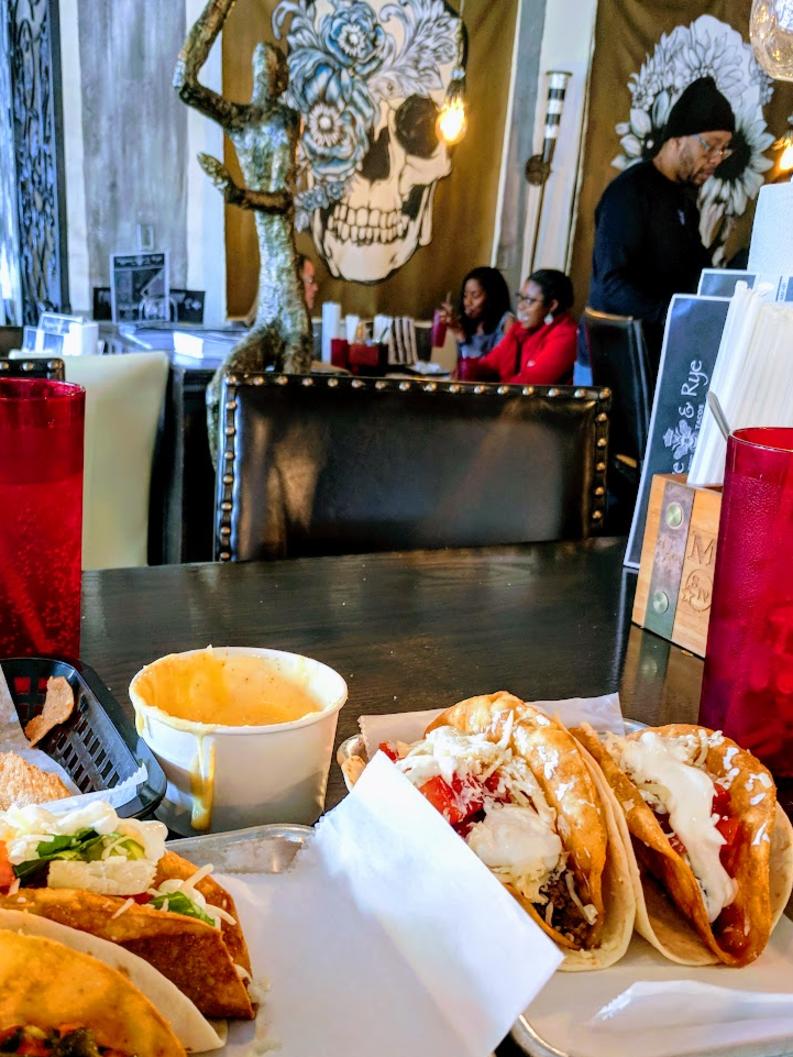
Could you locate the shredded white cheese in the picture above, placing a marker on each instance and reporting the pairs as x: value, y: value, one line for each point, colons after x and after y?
x: 123, y: 909
x: 590, y: 910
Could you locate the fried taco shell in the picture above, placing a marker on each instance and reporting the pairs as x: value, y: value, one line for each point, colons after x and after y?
x: 586, y: 821
x: 45, y: 984
x: 199, y: 959
x: 671, y: 910
x: 194, y: 1032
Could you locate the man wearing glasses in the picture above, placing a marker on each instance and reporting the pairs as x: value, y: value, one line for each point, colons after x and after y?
x: 647, y: 241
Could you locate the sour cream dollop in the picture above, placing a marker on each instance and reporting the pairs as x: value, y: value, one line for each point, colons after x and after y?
x: 22, y: 828
x: 517, y: 843
x: 687, y: 793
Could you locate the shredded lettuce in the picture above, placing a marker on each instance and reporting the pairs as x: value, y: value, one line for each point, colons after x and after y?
x: 179, y: 903
x: 86, y: 845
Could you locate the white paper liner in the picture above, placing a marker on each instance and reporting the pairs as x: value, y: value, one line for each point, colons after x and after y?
x: 386, y: 936
x: 12, y: 739
x: 603, y: 713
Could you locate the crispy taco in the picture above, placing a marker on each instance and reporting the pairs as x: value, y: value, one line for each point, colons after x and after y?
x: 528, y: 801
x: 58, y: 1002
x: 111, y: 877
x: 713, y: 849
x: 195, y: 1033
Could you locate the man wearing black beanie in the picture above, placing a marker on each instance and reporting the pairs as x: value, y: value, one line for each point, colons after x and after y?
x: 647, y: 242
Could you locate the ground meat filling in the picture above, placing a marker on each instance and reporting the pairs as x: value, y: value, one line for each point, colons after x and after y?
x: 34, y: 1042
x: 566, y: 917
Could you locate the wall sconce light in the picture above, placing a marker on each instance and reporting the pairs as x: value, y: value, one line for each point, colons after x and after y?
x: 785, y: 145
x: 538, y: 167
x: 771, y: 33
x: 451, y: 123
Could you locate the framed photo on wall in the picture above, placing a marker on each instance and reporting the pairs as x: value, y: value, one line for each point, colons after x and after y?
x: 139, y: 286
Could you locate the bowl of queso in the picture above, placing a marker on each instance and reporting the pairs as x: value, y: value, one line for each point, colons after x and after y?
x: 244, y: 735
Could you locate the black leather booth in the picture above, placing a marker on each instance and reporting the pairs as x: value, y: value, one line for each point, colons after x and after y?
x: 35, y: 367
x: 330, y: 465
x: 618, y: 355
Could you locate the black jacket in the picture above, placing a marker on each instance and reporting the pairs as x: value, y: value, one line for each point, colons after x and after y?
x: 647, y: 245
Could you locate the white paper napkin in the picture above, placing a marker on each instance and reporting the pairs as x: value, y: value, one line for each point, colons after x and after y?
x: 388, y: 936
x: 660, y: 1009
x: 331, y: 327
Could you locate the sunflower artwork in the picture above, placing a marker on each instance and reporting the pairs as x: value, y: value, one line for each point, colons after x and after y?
x: 706, y: 47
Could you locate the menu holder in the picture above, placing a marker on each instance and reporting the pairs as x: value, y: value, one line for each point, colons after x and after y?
x: 675, y: 584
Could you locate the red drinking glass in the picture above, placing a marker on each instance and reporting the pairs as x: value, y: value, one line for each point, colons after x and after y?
x: 438, y: 337
x: 41, y: 516
x: 748, y: 684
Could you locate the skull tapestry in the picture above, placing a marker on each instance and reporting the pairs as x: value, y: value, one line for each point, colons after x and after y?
x: 369, y: 78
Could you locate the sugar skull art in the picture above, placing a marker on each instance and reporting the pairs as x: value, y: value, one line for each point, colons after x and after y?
x: 369, y: 77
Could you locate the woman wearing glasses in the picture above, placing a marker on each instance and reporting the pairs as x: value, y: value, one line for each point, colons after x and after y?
x: 483, y: 313
x: 540, y: 348
x: 647, y: 241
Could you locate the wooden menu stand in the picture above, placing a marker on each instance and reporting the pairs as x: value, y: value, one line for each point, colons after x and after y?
x: 675, y: 586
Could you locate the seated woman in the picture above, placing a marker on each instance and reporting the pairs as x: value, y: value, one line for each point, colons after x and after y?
x: 540, y: 348
x: 484, y: 314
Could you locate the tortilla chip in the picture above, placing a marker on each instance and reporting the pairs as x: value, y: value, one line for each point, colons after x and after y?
x: 671, y: 912
x: 47, y: 985
x: 22, y: 783
x: 58, y: 706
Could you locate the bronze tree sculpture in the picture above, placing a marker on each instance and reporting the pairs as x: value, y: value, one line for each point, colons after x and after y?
x: 265, y: 134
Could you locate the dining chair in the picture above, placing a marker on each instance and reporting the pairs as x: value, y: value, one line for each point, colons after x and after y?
x: 619, y: 361
x: 123, y: 404
x: 50, y: 367
x: 339, y: 465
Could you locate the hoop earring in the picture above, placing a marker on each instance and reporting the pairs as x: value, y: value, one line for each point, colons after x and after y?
x: 549, y: 319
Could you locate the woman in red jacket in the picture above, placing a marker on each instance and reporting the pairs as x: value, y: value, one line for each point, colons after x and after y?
x: 540, y: 348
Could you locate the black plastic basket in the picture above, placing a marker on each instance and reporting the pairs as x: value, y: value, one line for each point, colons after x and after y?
x: 97, y: 746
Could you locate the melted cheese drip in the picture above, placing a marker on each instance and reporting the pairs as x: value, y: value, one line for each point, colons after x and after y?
x: 686, y: 793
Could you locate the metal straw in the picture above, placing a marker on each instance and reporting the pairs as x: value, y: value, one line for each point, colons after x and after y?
x: 718, y: 413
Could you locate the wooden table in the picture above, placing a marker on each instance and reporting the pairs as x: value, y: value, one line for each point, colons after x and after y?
x: 407, y: 631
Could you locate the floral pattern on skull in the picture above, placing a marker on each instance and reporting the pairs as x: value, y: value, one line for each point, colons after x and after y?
x: 368, y: 76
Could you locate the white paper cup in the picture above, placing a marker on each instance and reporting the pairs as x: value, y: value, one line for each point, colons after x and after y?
x: 225, y: 777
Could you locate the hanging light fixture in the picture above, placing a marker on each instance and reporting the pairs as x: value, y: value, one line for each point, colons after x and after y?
x: 771, y: 33
x: 452, y: 121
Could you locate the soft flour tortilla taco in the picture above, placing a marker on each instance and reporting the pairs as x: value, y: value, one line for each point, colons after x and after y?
x: 527, y: 800
x: 57, y: 1001
x: 713, y: 849
x: 91, y: 870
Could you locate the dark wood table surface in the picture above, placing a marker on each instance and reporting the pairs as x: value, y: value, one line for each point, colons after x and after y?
x: 407, y: 631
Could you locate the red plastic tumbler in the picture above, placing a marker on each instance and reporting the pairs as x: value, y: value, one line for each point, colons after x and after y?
x: 748, y: 684
x: 41, y: 514
x: 438, y: 337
